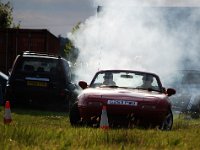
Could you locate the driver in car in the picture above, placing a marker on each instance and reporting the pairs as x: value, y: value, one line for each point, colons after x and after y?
x: 147, y: 82
x: 108, y: 79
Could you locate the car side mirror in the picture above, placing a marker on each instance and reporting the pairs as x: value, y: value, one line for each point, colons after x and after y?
x: 171, y: 91
x: 83, y: 84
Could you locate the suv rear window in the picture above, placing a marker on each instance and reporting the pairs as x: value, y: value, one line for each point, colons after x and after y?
x: 30, y: 65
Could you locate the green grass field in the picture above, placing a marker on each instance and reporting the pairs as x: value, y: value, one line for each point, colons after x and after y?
x: 31, y: 129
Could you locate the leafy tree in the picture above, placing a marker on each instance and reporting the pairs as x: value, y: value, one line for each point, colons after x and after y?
x: 70, y: 50
x: 6, y: 18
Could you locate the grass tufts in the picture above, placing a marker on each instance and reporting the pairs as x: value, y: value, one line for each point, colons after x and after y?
x: 31, y: 129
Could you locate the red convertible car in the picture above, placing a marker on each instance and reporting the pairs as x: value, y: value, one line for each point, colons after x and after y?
x: 132, y: 98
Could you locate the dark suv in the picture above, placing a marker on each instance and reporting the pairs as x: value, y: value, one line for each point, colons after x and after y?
x: 40, y: 80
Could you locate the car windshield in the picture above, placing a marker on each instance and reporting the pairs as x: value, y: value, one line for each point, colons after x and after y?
x: 126, y: 79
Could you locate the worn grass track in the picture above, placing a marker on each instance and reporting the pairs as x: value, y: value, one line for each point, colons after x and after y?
x: 32, y: 129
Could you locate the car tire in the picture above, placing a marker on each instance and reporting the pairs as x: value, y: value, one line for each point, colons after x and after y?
x: 74, y: 115
x: 167, y: 122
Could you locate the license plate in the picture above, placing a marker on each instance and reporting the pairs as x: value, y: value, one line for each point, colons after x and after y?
x: 37, y: 83
x: 122, y: 102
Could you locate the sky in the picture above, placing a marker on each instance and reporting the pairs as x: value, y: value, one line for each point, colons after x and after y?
x: 60, y: 16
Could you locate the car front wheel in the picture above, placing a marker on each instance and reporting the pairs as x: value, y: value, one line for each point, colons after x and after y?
x: 167, y: 122
x: 74, y: 115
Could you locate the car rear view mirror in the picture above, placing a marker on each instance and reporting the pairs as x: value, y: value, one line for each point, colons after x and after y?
x: 126, y: 76
x: 83, y: 84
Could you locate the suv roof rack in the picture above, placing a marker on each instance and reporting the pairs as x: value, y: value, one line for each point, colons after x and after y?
x: 38, y: 53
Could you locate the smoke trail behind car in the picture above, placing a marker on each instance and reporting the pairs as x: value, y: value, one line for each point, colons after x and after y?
x: 139, y: 35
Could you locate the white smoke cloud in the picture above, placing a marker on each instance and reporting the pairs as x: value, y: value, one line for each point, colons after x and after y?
x: 131, y: 35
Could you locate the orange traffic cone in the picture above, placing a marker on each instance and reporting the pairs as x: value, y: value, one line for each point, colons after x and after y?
x: 7, y: 114
x: 104, y: 119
